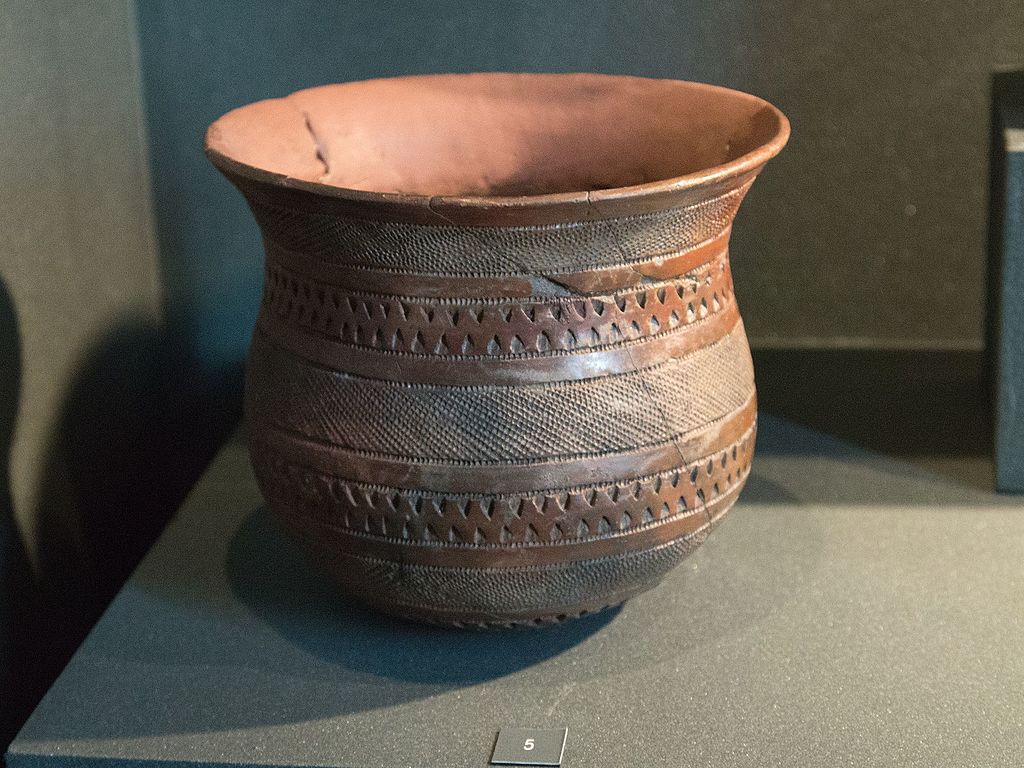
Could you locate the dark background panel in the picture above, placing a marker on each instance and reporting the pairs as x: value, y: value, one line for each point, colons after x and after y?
x: 121, y: 351
x: 1005, y: 316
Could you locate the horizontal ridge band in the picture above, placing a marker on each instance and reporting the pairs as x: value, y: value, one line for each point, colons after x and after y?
x: 507, y: 342
x: 540, y: 284
x: 585, y: 364
x: 479, y: 424
x: 637, y: 539
x: 476, y: 530
x: 401, y: 472
x: 496, y: 251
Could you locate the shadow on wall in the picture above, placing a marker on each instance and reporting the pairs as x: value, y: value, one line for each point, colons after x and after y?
x: 18, y: 596
x: 127, y: 449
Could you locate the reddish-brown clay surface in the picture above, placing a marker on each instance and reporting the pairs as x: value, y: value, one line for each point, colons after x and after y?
x: 499, y: 376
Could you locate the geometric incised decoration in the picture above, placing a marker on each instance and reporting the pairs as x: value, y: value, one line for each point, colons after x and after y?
x: 460, y: 250
x: 466, y: 425
x: 503, y: 520
x: 498, y: 328
x: 482, y: 373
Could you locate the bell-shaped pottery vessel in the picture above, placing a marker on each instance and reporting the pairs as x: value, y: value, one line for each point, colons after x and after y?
x: 499, y: 376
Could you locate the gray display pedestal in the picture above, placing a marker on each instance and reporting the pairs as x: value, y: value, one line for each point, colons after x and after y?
x: 852, y: 610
